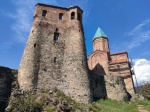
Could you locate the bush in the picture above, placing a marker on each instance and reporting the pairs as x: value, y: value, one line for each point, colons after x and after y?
x: 145, y: 91
x: 26, y: 103
x: 145, y: 103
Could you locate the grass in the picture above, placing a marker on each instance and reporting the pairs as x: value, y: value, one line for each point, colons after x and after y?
x: 28, y: 103
x: 145, y: 103
x: 75, y: 106
x: 50, y: 109
x: 108, y: 105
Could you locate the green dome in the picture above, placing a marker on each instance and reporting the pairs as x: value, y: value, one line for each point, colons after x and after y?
x: 99, y: 33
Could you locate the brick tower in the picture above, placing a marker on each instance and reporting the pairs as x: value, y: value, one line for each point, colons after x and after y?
x: 98, y: 60
x: 54, y: 56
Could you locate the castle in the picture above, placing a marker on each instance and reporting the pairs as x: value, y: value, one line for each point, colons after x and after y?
x: 55, y: 55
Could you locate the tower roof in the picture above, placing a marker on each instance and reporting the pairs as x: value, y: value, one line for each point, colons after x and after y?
x: 99, y: 33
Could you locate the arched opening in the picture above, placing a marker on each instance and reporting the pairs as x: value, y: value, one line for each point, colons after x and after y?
x: 44, y: 13
x: 79, y: 17
x: 72, y: 15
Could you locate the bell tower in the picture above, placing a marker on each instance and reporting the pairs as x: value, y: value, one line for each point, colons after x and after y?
x: 98, y: 59
x: 100, y: 41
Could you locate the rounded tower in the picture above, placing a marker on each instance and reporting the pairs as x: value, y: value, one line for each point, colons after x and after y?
x: 75, y: 81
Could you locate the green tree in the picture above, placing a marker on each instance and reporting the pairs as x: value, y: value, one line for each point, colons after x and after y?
x: 145, y: 91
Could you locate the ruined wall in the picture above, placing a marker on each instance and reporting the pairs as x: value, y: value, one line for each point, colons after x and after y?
x: 7, y: 82
x: 108, y: 86
x: 75, y: 81
x: 119, y: 65
x: 49, y: 62
x: 42, y: 61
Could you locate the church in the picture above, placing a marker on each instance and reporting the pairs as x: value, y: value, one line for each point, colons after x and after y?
x: 102, y: 62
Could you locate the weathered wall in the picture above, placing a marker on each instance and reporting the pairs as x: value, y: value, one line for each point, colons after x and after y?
x: 75, y: 72
x: 47, y: 63
x: 7, y: 76
x: 41, y: 64
x: 109, y: 86
x: 120, y: 66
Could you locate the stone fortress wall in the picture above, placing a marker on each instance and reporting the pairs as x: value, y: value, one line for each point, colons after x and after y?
x: 55, y: 56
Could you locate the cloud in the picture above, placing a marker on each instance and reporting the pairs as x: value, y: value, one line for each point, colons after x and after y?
x: 142, y: 70
x: 138, y: 35
x: 24, y: 12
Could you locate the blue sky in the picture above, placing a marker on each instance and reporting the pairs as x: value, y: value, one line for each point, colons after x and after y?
x: 125, y: 22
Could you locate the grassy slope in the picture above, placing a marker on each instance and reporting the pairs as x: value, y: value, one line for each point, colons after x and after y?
x: 145, y: 103
x: 113, y: 106
x: 107, y: 105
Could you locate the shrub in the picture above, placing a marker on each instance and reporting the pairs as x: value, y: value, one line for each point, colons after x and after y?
x: 145, y: 91
x: 26, y: 103
x: 145, y: 103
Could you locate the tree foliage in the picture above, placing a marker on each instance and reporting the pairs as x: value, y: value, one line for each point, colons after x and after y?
x: 145, y: 91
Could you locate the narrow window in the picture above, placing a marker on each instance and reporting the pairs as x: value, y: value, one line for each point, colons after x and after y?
x: 56, y: 35
x: 55, y: 59
x: 79, y: 17
x: 44, y: 13
x: 72, y: 15
x: 34, y: 45
x: 61, y: 16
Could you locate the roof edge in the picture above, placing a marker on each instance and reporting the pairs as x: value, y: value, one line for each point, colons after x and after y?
x: 124, y: 52
x: 59, y: 6
x: 100, y: 37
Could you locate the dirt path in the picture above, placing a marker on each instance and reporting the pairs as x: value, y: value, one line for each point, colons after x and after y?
x: 141, y: 108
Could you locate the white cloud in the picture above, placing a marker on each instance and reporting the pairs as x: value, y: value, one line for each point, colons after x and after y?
x: 138, y: 35
x: 142, y: 70
x: 25, y: 9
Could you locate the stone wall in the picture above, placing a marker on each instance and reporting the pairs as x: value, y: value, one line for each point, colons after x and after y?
x: 120, y: 66
x: 49, y: 63
x: 109, y: 86
x: 7, y: 82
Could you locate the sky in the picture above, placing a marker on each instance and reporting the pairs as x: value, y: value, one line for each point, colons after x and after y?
x: 125, y: 22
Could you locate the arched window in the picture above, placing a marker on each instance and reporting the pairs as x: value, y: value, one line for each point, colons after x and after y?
x: 72, y: 15
x: 79, y: 16
x: 44, y: 13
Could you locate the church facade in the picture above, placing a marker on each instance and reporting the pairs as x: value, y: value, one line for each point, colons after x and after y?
x: 102, y: 62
